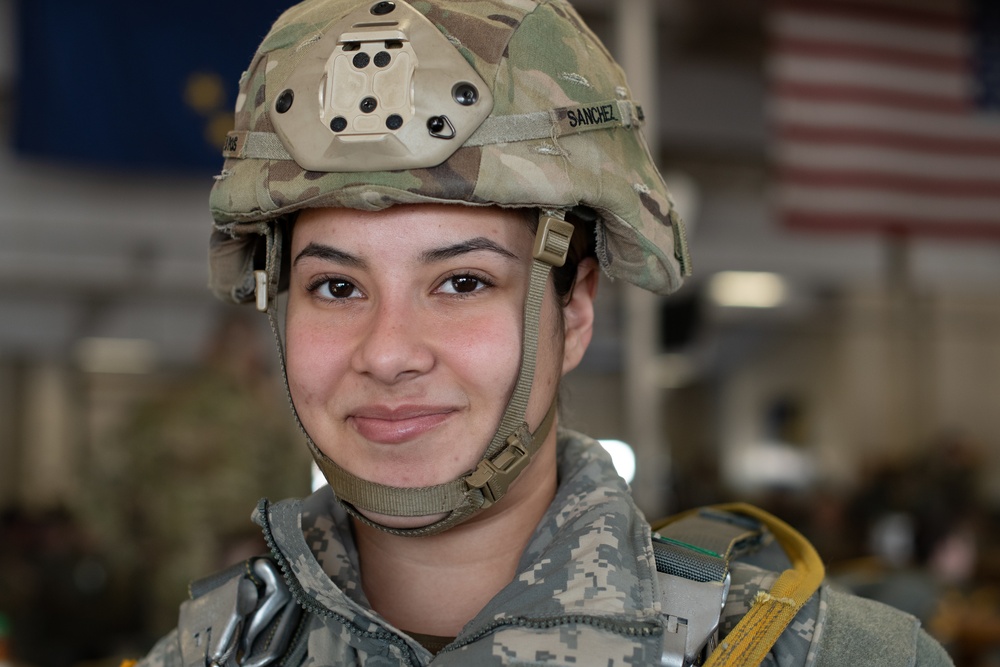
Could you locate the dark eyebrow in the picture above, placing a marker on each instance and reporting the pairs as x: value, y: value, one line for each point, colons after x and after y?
x: 330, y: 254
x: 472, y: 245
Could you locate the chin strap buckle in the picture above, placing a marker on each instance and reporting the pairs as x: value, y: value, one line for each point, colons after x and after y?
x: 494, y: 476
x: 552, y: 239
x: 260, y: 290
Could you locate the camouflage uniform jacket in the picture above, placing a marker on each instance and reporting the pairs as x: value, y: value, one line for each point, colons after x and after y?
x: 587, y: 593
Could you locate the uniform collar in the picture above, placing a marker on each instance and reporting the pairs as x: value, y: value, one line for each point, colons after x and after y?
x: 590, y: 557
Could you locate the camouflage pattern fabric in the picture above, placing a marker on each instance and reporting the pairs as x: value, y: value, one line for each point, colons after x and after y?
x: 586, y: 594
x: 542, y: 62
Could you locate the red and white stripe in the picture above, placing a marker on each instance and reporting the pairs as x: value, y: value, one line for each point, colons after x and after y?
x: 874, y: 121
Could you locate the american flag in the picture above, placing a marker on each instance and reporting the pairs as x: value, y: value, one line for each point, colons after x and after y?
x: 886, y: 114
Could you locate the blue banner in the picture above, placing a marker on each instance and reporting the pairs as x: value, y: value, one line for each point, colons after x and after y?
x: 986, y: 53
x: 124, y: 83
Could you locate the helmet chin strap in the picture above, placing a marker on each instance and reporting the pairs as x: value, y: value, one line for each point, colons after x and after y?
x: 512, y: 445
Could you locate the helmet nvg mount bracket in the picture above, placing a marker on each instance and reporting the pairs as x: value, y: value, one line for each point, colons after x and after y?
x: 382, y: 89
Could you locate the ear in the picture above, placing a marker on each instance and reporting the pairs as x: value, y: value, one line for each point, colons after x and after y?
x: 578, y: 314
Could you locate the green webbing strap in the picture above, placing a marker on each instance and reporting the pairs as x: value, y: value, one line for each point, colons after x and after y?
x: 513, y: 415
x: 421, y: 501
x: 550, y: 249
x: 428, y: 500
x: 375, y: 497
x: 259, y: 145
x: 700, y: 546
x: 556, y: 123
x: 494, y: 130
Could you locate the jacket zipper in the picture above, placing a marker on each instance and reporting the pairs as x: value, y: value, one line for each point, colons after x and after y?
x: 310, y: 605
x: 624, y: 629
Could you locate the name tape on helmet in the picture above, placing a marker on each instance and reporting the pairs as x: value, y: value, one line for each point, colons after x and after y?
x: 495, y: 130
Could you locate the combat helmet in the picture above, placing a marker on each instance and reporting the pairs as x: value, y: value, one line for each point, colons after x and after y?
x: 366, y: 104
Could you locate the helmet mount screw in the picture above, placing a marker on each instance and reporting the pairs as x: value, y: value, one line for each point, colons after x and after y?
x: 284, y: 101
x: 369, y: 104
x: 465, y: 94
x: 383, y: 8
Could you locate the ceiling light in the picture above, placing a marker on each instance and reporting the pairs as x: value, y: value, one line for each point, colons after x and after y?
x: 747, y: 289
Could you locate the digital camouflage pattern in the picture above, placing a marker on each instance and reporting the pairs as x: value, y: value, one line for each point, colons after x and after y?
x: 541, y: 62
x: 587, y: 593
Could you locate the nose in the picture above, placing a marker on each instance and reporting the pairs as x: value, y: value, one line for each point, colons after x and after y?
x: 393, y: 347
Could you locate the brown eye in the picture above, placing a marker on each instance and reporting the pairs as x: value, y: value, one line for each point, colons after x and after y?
x: 465, y: 284
x: 337, y: 289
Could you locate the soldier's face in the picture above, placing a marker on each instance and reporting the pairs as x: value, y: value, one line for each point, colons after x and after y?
x: 404, y: 336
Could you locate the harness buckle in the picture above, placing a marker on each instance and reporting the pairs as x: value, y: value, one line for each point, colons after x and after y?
x: 692, y: 610
x: 245, y: 617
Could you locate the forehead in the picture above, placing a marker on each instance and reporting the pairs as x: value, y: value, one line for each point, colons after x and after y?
x: 417, y: 225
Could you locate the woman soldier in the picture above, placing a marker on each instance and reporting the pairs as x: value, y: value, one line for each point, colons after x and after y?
x: 435, y: 185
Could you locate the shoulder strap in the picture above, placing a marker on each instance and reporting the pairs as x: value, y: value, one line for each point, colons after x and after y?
x: 241, y: 617
x: 703, y: 542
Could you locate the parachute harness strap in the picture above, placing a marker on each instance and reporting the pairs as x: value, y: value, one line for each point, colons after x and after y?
x: 693, y: 553
x: 513, y: 444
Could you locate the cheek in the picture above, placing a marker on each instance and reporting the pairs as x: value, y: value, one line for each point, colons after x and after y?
x: 484, y: 350
x: 313, y: 362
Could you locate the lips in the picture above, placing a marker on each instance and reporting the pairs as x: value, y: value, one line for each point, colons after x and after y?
x: 397, y: 425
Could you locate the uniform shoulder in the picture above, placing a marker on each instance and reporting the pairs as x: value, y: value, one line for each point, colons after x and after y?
x: 773, y: 574
x: 858, y: 631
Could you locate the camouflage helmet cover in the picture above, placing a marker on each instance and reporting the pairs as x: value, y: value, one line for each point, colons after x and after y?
x: 563, y: 131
